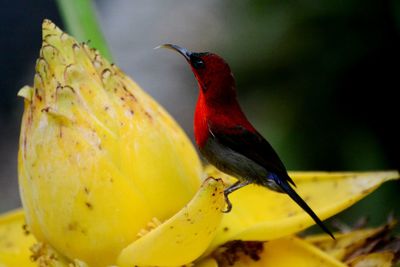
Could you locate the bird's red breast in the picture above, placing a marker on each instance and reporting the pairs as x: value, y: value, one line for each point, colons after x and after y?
x: 209, y: 116
x: 201, y: 132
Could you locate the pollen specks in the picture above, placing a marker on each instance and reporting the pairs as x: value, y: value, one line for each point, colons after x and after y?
x: 154, y: 223
x: 232, y: 251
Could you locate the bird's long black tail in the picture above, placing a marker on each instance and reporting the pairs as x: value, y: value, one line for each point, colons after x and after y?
x: 284, y: 185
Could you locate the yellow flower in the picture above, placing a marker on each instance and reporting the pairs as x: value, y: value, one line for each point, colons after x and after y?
x: 108, y: 178
x: 98, y: 159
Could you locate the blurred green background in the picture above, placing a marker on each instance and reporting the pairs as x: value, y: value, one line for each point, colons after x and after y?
x: 317, y: 78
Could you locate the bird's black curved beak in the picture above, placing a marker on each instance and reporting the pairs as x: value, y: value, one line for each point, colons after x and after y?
x: 183, y: 51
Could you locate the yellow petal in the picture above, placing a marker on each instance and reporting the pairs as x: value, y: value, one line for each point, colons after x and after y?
x: 261, y: 214
x: 347, y: 243
x: 284, y: 252
x: 26, y: 92
x: 98, y: 157
x: 185, y: 236
x: 379, y: 259
x: 207, y: 262
x: 14, y: 241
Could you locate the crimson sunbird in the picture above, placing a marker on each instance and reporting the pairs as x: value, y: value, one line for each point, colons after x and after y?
x: 227, y: 139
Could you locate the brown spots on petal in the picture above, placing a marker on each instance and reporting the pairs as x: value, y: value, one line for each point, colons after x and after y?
x: 105, y: 74
x: 128, y: 93
x: 76, y: 47
x: 148, y: 115
x: 46, y: 109
x: 73, y: 226
x: 291, y: 213
x: 97, y: 62
x: 66, y: 87
x: 25, y: 228
x: 48, y: 35
x: 8, y: 244
x: 37, y: 95
x: 366, y: 191
x: 48, y: 48
x: 89, y: 205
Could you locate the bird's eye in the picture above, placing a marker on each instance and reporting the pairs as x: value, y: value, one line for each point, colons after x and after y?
x: 197, y: 62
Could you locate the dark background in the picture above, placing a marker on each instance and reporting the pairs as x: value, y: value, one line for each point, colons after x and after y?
x: 319, y: 79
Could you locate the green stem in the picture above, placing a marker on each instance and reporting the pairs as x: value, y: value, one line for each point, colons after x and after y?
x: 81, y: 22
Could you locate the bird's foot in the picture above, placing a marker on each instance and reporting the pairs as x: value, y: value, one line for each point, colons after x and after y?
x: 231, y: 189
x: 228, y: 203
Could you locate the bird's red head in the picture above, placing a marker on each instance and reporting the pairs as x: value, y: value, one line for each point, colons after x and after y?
x: 213, y: 74
x: 217, y: 105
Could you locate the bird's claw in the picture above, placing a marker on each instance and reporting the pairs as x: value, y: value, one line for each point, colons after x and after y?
x: 228, y: 204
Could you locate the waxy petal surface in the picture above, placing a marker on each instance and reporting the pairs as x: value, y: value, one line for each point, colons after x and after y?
x: 14, y: 242
x: 379, y: 259
x: 260, y: 214
x: 347, y: 243
x: 289, y: 252
x: 182, y: 238
x: 98, y: 157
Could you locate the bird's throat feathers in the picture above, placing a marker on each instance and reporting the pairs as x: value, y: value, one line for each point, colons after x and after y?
x: 223, y: 116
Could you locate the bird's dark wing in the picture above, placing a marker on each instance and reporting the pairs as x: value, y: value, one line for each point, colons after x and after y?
x: 253, y: 146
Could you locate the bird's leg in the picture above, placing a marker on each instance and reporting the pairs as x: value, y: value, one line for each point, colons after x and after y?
x: 231, y: 189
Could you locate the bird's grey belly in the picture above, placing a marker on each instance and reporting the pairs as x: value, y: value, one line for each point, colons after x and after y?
x: 233, y: 163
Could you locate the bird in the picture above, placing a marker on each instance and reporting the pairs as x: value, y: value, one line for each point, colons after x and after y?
x: 227, y: 139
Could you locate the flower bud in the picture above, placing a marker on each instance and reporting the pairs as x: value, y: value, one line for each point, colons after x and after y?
x: 98, y: 158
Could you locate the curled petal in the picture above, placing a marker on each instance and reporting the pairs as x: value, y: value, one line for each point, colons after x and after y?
x: 381, y: 259
x: 361, y: 246
x: 261, y: 214
x: 182, y: 238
